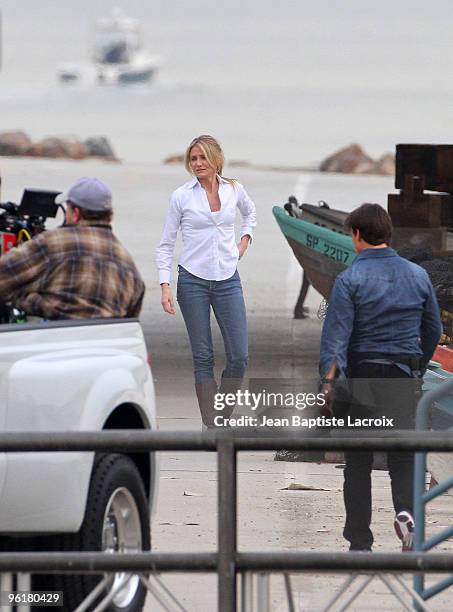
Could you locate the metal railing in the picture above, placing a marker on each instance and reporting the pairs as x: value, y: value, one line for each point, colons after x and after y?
x: 227, y: 561
x: 422, y: 497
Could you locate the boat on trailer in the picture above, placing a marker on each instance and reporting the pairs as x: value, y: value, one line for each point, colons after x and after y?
x: 422, y: 215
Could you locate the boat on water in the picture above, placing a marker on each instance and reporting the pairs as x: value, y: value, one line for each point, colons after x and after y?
x: 422, y: 222
x: 117, y: 55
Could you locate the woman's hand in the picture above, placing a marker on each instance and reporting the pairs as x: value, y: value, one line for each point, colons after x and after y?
x: 243, y: 245
x: 167, y: 299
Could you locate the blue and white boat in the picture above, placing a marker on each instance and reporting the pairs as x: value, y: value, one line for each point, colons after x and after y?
x: 118, y: 56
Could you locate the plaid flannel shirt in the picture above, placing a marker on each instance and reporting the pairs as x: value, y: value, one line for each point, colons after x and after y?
x: 73, y: 272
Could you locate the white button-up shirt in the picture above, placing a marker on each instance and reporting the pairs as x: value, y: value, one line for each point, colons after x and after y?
x: 209, y: 243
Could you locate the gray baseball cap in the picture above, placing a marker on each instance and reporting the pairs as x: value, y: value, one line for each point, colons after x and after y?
x: 88, y: 193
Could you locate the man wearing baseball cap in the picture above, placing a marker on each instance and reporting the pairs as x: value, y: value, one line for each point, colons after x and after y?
x: 79, y: 270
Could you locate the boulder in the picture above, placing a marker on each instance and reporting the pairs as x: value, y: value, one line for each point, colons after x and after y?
x: 386, y: 165
x: 365, y: 167
x: 14, y: 143
x: 75, y: 149
x: 49, y: 147
x: 239, y: 163
x: 174, y: 159
x: 59, y: 147
x: 18, y: 143
x: 99, y: 146
x: 347, y: 160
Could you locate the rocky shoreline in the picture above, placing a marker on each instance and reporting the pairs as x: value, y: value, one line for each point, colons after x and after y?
x: 18, y: 144
x: 354, y: 160
x: 349, y: 160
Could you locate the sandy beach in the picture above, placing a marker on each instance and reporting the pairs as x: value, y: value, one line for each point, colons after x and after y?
x: 280, y: 347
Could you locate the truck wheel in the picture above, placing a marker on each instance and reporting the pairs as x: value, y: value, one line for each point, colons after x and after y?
x: 116, y: 520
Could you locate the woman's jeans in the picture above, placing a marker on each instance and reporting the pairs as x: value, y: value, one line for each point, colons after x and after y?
x: 196, y: 296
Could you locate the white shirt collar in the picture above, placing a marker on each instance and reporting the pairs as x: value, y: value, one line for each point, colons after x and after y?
x: 193, y: 182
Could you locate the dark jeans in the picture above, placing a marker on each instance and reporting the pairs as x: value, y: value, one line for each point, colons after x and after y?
x: 378, y: 390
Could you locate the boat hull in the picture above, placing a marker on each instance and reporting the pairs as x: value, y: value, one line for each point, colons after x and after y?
x: 136, y: 76
x: 320, y: 270
x: 109, y: 74
x: 321, y: 252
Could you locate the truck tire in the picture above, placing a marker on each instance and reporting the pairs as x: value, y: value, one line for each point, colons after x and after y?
x: 116, y: 486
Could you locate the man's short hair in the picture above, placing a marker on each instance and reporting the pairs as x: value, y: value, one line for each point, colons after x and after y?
x: 104, y: 216
x: 372, y: 221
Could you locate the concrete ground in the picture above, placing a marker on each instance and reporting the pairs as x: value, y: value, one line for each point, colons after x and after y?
x: 280, y: 348
x: 270, y: 517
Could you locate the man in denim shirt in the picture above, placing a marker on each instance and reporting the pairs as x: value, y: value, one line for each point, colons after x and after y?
x: 381, y: 329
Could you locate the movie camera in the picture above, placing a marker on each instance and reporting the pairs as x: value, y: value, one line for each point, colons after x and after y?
x: 22, y: 222
x: 19, y: 223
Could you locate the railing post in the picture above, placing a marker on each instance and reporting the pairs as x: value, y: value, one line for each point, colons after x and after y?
x: 263, y: 598
x: 24, y: 584
x: 247, y: 601
x: 419, y: 517
x: 226, y: 513
x: 422, y: 424
x: 6, y: 585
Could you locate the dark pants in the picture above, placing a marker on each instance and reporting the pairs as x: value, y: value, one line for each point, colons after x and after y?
x: 378, y: 390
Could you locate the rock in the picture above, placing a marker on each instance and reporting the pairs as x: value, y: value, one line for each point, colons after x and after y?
x: 239, y: 163
x: 354, y: 160
x: 366, y: 168
x: 174, y: 159
x: 386, y: 165
x: 18, y: 143
x: 99, y: 146
x: 49, y: 147
x: 75, y: 149
x: 347, y: 160
x: 59, y: 147
x: 14, y: 143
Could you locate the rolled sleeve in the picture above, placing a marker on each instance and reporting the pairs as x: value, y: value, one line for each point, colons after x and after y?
x: 164, y: 252
x: 248, y: 213
x: 337, y: 328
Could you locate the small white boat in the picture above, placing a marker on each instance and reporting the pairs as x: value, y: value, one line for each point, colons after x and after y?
x: 117, y: 55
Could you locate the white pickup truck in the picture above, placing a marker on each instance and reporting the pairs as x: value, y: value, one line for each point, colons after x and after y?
x: 76, y: 376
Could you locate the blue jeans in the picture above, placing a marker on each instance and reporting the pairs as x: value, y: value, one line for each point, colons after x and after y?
x: 195, y: 297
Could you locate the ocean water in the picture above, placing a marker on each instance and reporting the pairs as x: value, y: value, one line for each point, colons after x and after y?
x: 283, y: 83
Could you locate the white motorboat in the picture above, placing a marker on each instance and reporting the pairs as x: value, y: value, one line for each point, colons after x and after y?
x: 117, y: 54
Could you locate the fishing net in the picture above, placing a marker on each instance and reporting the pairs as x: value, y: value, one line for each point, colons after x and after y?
x: 322, y: 310
x: 440, y: 271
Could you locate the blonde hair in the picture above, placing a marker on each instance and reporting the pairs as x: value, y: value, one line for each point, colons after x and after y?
x: 212, y: 151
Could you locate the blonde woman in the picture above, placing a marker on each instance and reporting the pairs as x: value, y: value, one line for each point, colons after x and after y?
x: 204, y: 209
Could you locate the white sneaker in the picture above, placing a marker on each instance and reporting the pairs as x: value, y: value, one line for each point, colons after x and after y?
x: 404, y: 527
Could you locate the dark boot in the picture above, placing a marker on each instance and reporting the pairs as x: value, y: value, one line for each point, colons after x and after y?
x: 205, y: 394
x: 229, y: 386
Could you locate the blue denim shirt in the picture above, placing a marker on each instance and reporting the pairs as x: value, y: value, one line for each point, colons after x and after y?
x: 382, y: 303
